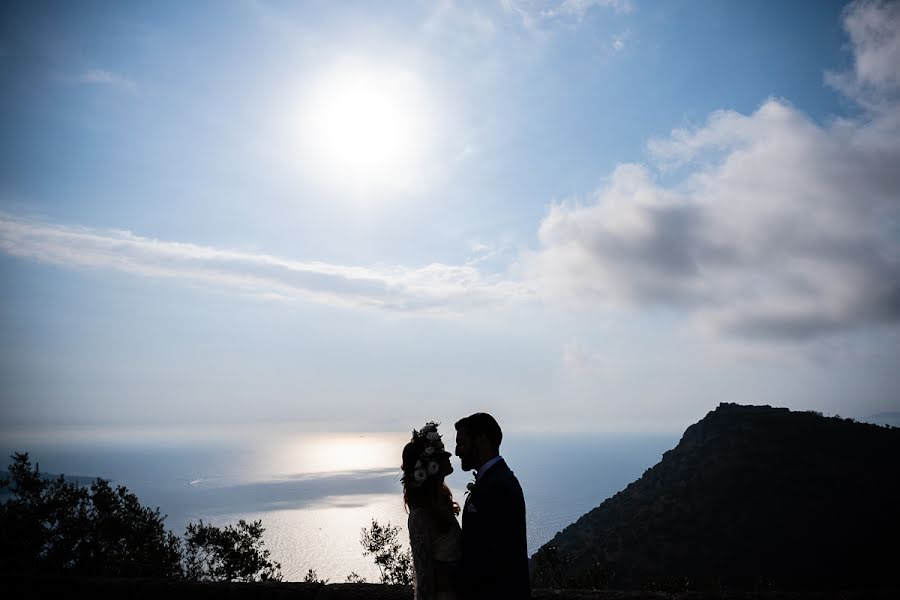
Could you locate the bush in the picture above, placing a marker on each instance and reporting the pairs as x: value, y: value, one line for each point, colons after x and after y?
x: 235, y: 553
x: 394, y: 563
x: 313, y: 577
x: 55, y: 527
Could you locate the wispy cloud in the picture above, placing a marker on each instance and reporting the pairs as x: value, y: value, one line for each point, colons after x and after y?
x: 579, y: 360
x: 533, y: 14
x: 431, y: 289
x: 618, y: 41
x: 579, y: 8
x: 526, y: 14
x: 103, y: 77
x: 777, y: 228
x: 463, y: 20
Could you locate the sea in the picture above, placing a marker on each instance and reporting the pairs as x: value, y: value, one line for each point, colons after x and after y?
x: 315, y: 491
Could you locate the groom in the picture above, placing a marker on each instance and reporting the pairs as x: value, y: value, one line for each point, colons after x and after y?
x: 495, y: 551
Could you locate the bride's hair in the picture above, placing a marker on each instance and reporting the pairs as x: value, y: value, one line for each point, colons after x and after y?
x: 433, y: 495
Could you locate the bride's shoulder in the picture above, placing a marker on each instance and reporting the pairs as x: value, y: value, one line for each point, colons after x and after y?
x: 417, y: 515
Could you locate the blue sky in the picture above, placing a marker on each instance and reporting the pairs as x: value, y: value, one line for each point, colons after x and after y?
x: 575, y: 215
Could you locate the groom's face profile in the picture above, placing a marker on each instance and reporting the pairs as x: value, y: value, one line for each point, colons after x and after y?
x: 465, y: 450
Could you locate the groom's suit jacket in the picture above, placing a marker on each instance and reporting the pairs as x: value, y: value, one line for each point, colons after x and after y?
x: 495, y: 550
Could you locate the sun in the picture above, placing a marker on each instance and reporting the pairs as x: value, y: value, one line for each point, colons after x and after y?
x: 366, y: 126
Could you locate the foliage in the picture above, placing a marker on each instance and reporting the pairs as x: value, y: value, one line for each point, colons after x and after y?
x: 355, y: 577
x: 55, y: 526
x: 235, y: 553
x: 554, y: 569
x: 381, y: 542
x: 549, y: 565
x: 313, y: 577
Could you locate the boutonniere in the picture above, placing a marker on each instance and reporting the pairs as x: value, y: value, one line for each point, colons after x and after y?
x: 470, y: 487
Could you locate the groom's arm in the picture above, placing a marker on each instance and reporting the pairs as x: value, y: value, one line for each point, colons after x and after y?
x: 504, y: 529
x: 514, y: 562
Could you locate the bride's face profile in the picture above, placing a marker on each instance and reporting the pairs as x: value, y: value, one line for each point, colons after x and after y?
x: 446, y: 467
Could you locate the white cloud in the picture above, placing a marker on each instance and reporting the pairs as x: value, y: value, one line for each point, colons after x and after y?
x: 776, y: 228
x: 432, y: 289
x: 480, y: 248
x: 532, y: 13
x: 617, y: 42
x: 461, y: 20
x: 872, y: 27
x: 580, y: 361
x: 524, y: 12
x: 102, y: 77
x: 579, y: 8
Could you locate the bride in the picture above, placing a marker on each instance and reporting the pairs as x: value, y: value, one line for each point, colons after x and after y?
x: 434, y: 533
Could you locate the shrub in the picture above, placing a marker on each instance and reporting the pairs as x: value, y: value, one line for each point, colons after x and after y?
x: 394, y: 563
x: 55, y: 527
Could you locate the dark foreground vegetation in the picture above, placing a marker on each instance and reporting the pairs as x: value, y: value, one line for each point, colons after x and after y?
x: 754, y: 502
x: 155, y: 589
x: 59, y: 528
x: 54, y: 527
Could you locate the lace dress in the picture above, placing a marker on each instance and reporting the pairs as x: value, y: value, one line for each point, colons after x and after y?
x: 435, y: 556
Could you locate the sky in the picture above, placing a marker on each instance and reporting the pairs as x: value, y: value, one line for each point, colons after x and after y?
x: 583, y: 215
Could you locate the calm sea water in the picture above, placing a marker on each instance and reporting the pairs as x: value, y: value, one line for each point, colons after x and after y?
x: 314, y: 492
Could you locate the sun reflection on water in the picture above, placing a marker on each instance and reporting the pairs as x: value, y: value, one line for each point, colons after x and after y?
x: 325, y: 536
x: 337, y: 452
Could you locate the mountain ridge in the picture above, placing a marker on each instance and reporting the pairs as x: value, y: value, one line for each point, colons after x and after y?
x: 750, y: 497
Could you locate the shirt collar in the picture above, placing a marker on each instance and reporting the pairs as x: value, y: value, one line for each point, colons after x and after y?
x: 480, y: 472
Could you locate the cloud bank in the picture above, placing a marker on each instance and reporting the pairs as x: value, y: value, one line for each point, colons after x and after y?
x: 770, y: 226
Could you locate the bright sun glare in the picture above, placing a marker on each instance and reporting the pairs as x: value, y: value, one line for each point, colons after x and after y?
x: 367, y: 126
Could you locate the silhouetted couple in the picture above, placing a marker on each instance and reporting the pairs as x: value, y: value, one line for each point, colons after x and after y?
x: 488, y: 556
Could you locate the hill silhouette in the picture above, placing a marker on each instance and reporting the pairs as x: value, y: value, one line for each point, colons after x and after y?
x: 752, y: 497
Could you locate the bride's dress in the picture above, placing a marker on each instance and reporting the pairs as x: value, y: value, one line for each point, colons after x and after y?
x: 434, y: 555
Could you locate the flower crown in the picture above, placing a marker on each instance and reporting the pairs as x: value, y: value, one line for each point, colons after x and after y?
x: 427, y: 463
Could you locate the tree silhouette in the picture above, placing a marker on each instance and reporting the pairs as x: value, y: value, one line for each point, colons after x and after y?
x: 381, y: 542
x: 55, y: 526
x: 235, y: 553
